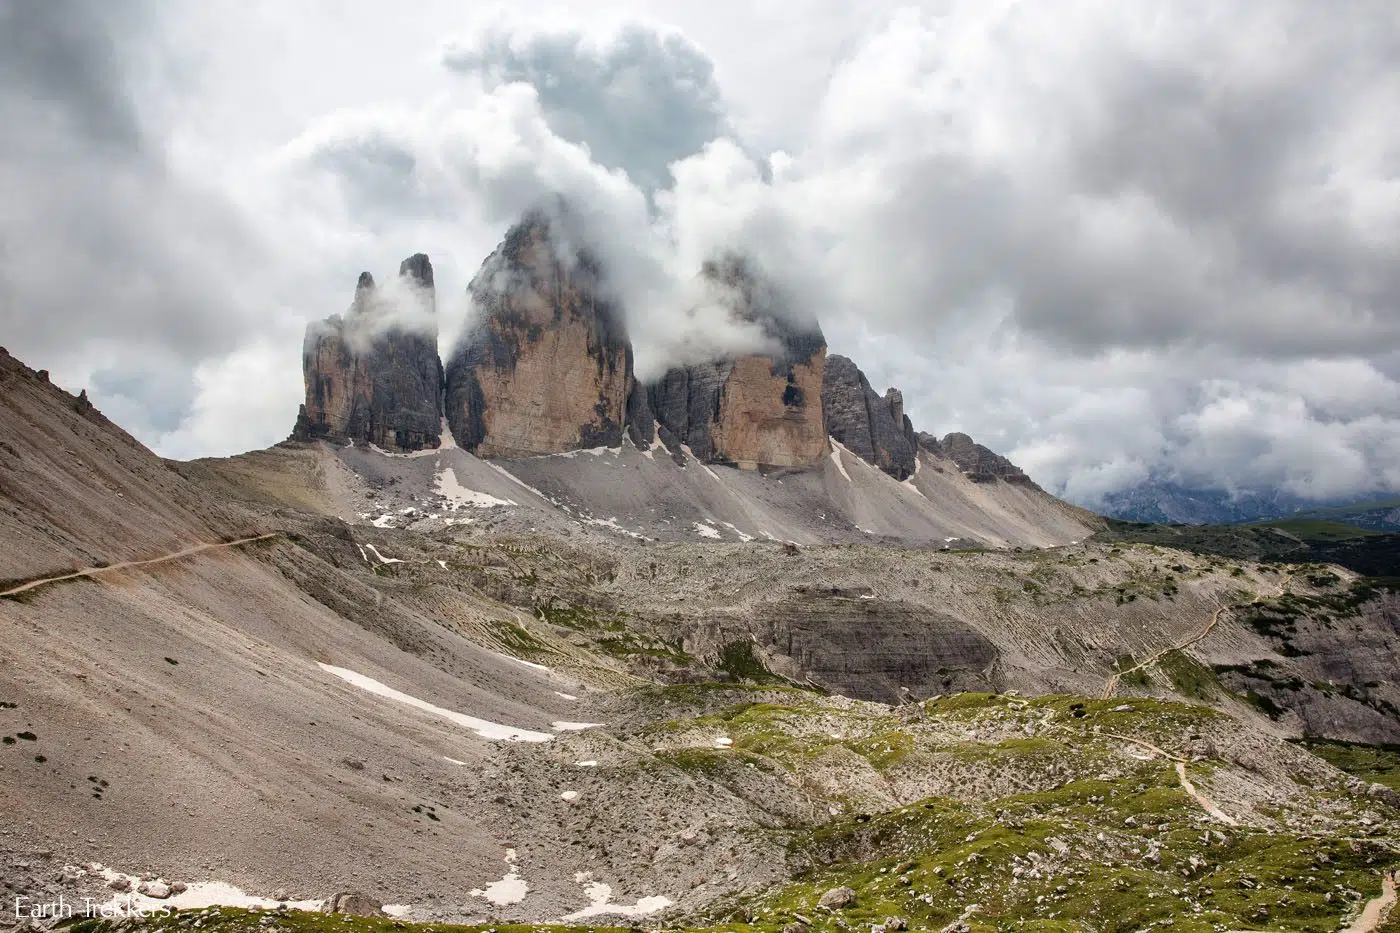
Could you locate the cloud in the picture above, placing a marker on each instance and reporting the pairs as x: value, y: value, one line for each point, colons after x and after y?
x: 112, y: 267
x: 638, y: 98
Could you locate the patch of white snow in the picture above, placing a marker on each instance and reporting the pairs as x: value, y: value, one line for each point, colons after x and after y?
x: 482, y: 727
x: 563, y: 726
x: 836, y: 449
x: 460, y: 496
x: 707, y: 531
x: 509, y: 890
x: 600, y: 896
x: 382, y: 558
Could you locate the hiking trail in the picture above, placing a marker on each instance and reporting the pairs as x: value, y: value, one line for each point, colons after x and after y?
x: 128, y: 564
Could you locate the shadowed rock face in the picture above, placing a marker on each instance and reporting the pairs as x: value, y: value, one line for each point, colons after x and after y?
x: 547, y: 368
x: 981, y: 464
x: 873, y: 428
x: 874, y: 649
x: 755, y: 410
x: 373, y: 376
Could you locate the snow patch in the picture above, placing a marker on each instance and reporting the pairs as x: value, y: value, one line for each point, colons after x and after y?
x: 445, y: 439
x: 453, y: 760
x: 586, y: 764
x: 569, y: 795
x: 442, y: 564
x: 612, y: 525
x: 600, y: 896
x: 509, y: 890
x: 197, y: 894
x: 567, y: 696
x: 836, y: 449
x: 485, y: 728
x: 746, y: 538
x: 563, y: 726
x: 396, y: 910
x: 685, y: 449
x: 362, y: 552
x: 384, y: 521
x: 723, y: 741
x: 706, y: 531
x: 382, y: 558
x: 460, y: 496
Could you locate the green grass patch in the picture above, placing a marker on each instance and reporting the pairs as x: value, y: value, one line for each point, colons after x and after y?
x: 1379, y: 764
x: 1190, y: 677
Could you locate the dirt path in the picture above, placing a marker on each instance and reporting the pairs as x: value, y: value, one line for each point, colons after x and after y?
x: 1111, y: 685
x: 1376, y: 909
x: 1206, y: 803
x: 126, y: 565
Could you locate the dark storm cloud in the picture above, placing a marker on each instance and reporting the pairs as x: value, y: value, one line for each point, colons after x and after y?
x: 101, y: 246
x: 1152, y: 176
x: 638, y: 100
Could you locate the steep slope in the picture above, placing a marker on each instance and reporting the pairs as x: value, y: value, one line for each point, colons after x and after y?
x: 373, y: 376
x: 155, y: 717
x: 759, y: 409
x: 547, y: 366
x: 76, y: 490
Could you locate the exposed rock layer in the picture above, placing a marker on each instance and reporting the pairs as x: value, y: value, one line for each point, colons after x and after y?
x: 373, y: 375
x: 873, y: 428
x: 547, y: 368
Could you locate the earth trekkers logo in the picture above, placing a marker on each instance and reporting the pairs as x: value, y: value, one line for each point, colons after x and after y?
x: 27, y: 908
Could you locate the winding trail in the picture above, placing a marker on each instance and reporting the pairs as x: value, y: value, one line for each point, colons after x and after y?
x: 1376, y: 909
x: 1111, y: 685
x: 1205, y: 802
x: 128, y: 564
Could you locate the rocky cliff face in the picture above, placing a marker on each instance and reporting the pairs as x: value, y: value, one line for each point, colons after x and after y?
x: 981, y: 464
x: 547, y: 367
x: 373, y: 375
x: 871, y: 427
x: 758, y: 409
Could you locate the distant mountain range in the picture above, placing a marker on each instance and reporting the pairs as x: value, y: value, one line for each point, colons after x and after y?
x: 1172, y: 503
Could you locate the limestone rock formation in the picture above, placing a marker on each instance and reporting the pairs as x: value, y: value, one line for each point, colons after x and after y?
x: 873, y: 428
x: 758, y: 409
x: 547, y: 367
x: 373, y: 375
x: 981, y: 464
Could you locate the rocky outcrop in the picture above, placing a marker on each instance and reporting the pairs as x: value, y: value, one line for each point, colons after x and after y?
x: 373, y: 375
x: 756, y: 410
x: 547, y: 367
x: 981, y: 464
x: 873, y: 428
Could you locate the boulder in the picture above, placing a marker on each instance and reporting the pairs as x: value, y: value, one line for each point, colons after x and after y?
x: 156, y: 889
x: 838, y: 898
x: 352, y: 903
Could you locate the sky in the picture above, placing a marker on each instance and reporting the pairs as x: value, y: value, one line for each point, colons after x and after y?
x: 1115, y: 242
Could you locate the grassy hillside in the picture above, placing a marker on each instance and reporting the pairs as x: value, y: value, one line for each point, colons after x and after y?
x: 1293, y: 540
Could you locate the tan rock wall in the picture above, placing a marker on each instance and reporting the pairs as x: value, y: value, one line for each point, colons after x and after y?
x: 757, y: 425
